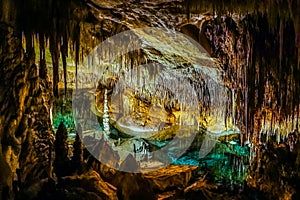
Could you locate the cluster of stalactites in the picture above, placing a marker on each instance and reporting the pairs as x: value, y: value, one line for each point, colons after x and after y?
x: 273, y: 77
x: 188, y: 88
x: 60, y: 47
x: 269, y: 91
x: 53, y: 25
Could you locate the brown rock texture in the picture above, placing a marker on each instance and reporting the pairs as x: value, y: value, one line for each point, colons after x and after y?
x: 26, y: 134
x: 173, y: 176
x: 91, y: 182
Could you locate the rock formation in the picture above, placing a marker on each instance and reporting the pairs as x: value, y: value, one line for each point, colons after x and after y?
x: 256, y: 45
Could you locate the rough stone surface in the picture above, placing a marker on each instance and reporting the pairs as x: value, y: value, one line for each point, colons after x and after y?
x: 133, y: 186
x: 26, y: 135
x: 173, y: 176
x: 90, y: 182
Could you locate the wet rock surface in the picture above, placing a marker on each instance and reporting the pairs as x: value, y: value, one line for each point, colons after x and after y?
x: 171, y: 177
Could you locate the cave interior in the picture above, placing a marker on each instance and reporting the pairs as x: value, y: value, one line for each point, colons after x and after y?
x: 138, y: 99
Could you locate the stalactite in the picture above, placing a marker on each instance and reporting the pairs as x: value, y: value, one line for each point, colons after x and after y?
x: 46, y: 19
x: 271, y: 74
x: 77, y: 47
x: 64, y: 54
x: 30, y: 47
x: 42, y: 66
x: 54, y: 50
x: 281, y: 27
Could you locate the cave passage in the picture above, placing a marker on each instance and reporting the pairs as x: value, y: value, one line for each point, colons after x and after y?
x: 149, y: 99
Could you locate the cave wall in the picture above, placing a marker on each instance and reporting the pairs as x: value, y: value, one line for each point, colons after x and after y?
x: 27, y: 88
x: 26, y: 133
x: 260, y: 59
x: 263, y: 70
x: 258, y: 46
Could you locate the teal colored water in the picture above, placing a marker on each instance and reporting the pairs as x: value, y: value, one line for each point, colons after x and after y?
x: 227, y: 163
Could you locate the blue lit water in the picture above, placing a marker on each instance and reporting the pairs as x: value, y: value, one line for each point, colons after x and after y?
x: 228, y: 163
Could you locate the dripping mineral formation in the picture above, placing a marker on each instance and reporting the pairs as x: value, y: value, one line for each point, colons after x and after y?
x: 211, y: 85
